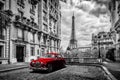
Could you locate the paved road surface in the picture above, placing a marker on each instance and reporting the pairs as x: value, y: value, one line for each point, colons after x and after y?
x: 68, y: 73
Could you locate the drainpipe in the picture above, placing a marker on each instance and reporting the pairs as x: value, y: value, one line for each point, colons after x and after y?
x: 9, y: 34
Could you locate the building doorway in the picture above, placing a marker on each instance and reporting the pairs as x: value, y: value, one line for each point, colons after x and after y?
x: 20, y: 53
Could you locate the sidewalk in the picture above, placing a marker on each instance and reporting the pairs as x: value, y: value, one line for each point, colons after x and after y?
x: 15, y: 66
x: 113, y: 67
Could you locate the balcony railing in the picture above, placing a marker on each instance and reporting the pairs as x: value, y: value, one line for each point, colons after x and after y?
x: 24, y: 21
x: 2, y: 37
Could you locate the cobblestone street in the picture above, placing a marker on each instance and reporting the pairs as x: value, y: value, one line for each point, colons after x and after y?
x: 68, y: 73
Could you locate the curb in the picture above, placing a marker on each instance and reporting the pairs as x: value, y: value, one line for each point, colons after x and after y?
x: 10, y: 69
x: 108, y: 73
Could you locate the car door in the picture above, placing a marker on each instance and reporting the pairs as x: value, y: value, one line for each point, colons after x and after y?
x: 60, y: 60
x: 54, y: 62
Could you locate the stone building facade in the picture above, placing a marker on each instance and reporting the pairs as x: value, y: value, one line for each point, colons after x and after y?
x: 114, y: 8
x: 35, y: 29
x: 5, y: 18
x: 101, y: 41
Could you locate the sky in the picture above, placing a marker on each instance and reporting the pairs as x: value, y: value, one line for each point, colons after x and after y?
x: 90, y: 17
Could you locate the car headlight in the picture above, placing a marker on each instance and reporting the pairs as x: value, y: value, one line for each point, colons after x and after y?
x: 32, y: 63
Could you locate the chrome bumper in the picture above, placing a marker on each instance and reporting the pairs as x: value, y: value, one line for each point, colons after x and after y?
x: 41, y: 68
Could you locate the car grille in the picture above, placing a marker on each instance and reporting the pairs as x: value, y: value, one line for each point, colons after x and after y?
x: 37, y: 64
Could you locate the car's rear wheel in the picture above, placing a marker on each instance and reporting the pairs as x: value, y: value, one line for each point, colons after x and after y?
x: 50, y: 68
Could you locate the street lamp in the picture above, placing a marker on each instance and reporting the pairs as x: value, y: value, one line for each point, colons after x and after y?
x: 99, y: 47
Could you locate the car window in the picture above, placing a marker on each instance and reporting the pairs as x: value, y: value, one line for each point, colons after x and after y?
x: 53, y: 56
x: 59, y: 56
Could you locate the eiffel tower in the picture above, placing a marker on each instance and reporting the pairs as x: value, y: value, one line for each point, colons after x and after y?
x: 73, y: 42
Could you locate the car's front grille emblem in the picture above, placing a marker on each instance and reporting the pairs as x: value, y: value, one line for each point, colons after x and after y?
x: 37, y: 64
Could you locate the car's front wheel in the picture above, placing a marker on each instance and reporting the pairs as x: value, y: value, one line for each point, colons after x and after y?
x: 34, y: 70
x: 50, y: 67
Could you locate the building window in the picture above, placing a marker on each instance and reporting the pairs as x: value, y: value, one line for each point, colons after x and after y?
x: 32, y: 6
x: 20, y: 34
x: 31, y: 37
x: 45, y: 4
x: 21, y: 3
x: 32, y: 51
x: 45, y: 27
x: 1, y: 6
x: 32, y: 9
x: 20, y: 13
x: 45, y: 17
x: 1, y: 51
x: 37, y: 52
x: 1, y: 34
x: 42, y: 51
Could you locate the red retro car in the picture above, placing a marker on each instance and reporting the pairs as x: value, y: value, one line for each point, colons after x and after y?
x: 48, y: 62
